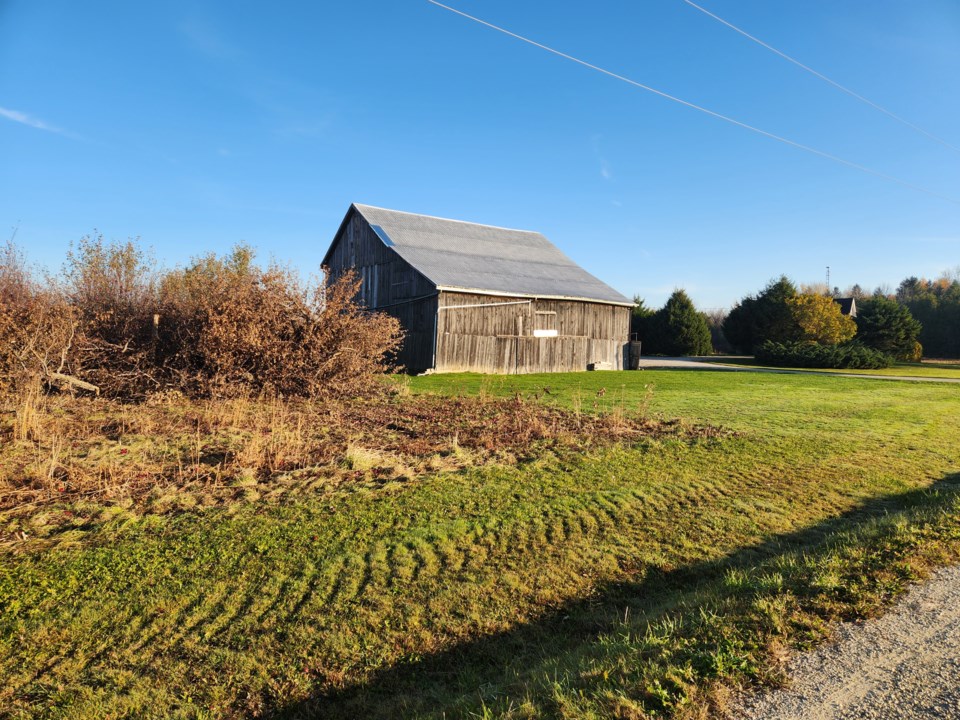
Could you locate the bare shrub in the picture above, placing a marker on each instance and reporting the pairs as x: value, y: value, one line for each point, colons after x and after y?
x: 113, y: 289
x: 37, y: 325
x: 113, y: 286
x: 221, y: 327
x: 347, y: 344
x: 230, y: 328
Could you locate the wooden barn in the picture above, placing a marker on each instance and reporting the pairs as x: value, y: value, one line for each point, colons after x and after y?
x: 480, y: 298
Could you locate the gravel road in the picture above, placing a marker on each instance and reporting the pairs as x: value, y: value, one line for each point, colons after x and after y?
x: 905, y: 664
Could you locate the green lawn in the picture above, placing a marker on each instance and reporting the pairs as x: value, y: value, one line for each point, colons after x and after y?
x: 611, y: 583
x: 900, y: 369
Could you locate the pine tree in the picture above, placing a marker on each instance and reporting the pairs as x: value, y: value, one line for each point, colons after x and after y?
x: 641, y: 318
x: 680, y: 328
x: 767, y: 316
x: 887, y: 326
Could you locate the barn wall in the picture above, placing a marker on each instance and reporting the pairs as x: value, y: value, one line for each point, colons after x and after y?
x: 389, y: 284
x: 500, y: 334
x: 417, y: 319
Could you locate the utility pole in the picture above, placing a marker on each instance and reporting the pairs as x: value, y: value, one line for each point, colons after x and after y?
x: 828, y: 279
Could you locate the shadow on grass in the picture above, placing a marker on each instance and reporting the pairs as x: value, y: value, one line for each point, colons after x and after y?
x: 473, y: 678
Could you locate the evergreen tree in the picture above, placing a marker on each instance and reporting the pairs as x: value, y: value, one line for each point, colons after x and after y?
x: 680, y: 329
x: 767, y: 316
x: 936, y: 305
x: 715, y: 320
x: 641, y: 317
x: 887, y: 326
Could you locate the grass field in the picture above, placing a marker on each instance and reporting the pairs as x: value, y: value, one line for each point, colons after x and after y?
x: 926, y: 369
x: 596, y: 581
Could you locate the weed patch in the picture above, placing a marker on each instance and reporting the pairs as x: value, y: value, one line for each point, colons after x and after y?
x: 70, y: 460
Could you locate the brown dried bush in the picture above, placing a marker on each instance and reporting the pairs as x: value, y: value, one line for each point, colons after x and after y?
x: 229, y: 328
x: 222, y: 327
x: 37, y: 325
x: 113, y: 290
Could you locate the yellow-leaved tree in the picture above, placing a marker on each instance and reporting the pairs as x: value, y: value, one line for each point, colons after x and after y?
x: 820, y: 319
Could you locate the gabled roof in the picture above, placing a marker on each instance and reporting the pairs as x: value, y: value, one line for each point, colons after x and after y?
x: 464, y: 256
x: 848, y: 306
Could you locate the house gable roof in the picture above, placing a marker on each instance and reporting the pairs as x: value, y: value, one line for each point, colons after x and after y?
x: 848, y: 306
x: 464, y: 256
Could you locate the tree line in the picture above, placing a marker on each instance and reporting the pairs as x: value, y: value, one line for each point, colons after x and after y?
x: 936, y: 306
x: 806, y: 326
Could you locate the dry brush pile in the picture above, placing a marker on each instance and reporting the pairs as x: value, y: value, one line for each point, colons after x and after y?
x: 220, y: 327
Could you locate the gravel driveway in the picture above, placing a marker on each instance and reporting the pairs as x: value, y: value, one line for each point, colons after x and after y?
x: 905, y: 664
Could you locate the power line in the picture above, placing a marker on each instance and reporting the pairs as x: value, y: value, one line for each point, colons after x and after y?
x: 719, y: 116
x: 823, y: 77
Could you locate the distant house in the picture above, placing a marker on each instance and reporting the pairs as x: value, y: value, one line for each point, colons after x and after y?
x: 848, y: 306
x: 480, y: 298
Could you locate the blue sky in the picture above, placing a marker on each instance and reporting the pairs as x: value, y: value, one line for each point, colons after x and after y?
x: 197, y: 125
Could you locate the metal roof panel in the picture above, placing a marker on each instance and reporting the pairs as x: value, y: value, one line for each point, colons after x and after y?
x: 455, y: 254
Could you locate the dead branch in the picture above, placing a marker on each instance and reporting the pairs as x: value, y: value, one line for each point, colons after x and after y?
x: 57, y: 378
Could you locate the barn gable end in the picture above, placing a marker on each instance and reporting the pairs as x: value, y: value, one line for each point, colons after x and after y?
x: 389, y: 284
x: 480, y: 298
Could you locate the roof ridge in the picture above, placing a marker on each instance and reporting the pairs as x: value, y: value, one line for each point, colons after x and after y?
x: 437, y: 217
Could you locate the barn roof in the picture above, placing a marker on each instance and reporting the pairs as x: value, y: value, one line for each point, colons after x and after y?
x: 457, y: 255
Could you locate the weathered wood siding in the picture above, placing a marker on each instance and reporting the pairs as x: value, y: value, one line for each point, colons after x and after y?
x: 389, y: 284
x: 499, y: 334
